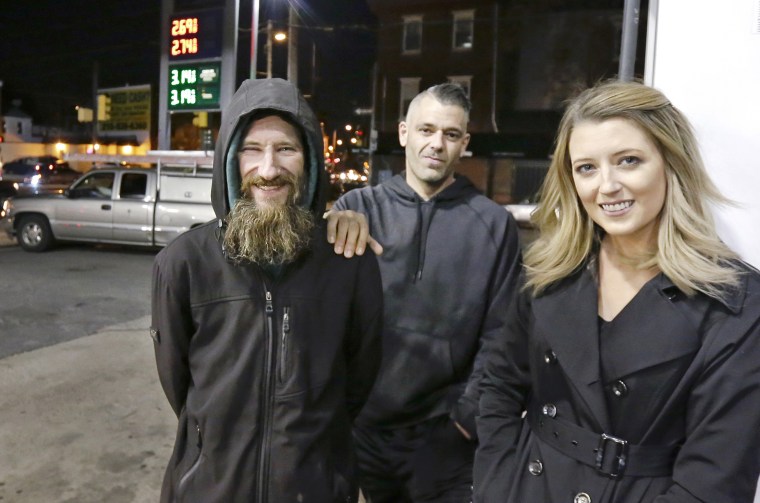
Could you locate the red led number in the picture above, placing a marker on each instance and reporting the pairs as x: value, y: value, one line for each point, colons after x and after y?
x: 181, y: 27
x: 184, y: 46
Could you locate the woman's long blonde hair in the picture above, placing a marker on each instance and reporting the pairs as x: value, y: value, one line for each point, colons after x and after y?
x: 688, y: 250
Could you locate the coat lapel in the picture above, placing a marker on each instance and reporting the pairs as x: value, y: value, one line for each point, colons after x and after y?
x: 567, y: 318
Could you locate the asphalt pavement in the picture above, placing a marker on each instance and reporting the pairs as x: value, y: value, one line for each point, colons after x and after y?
x: 84, y: 421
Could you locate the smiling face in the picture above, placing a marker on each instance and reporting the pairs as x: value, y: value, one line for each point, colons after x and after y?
x: 434, y: 136
x: 619, y: 175
x: 271, y: 160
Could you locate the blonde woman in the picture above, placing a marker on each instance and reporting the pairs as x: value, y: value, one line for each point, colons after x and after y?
x: 630, y: 369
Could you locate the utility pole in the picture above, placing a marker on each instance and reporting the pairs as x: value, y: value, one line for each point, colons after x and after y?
x: 95, y: 84
x: 254, y: 37
x: 292, y: 45
x: 269, y: 48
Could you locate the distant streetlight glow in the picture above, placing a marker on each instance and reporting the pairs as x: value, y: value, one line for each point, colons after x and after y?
x: 348, y: 127
x: 280, y: 36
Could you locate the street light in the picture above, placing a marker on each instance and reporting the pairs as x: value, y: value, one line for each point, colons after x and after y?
x: 279, y: 36
x: 292, y: 38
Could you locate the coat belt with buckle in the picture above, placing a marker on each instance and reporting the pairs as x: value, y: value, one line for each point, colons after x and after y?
x: 611, y: 456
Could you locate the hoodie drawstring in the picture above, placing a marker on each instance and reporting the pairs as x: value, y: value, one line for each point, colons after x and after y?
x: 425, y: 210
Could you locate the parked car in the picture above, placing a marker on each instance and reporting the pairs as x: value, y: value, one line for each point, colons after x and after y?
x: 135, y: 206
x: 523, y: 212
x: 39, y: 174
x: 7, y: 189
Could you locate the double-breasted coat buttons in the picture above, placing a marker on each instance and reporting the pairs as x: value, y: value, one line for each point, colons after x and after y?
x: 535, y: 467
x: 550, y: 357
x: 582, y: 498
x: 619, y: 389
x: 549, y: 410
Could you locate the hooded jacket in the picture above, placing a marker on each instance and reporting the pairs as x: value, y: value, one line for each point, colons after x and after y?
x: 449, y: 268
x: 265, y: 374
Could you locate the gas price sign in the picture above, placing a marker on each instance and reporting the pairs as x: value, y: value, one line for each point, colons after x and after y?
x: 194, y: 86
x: 196, y: 35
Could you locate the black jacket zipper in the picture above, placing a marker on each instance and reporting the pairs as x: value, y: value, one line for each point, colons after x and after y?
x: 269, y: 374
x: 191, y: 470
x: 284, y: 342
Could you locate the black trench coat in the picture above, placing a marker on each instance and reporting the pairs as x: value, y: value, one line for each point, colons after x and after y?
x: 681, y: 376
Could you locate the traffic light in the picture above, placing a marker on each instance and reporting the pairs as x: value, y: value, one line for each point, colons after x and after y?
x: 104, y: 107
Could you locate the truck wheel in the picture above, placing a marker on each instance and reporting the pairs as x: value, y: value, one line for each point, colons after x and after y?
x: 34, y: 233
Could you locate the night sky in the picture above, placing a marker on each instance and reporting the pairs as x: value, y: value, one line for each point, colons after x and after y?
x: 51, y: 50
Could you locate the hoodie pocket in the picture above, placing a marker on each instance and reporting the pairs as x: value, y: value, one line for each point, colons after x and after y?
x: 416, y: 372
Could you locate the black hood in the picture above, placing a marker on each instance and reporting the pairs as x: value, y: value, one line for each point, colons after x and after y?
x: 283, y: 98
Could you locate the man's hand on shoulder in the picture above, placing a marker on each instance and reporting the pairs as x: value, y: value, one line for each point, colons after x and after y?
x: 348, y: 231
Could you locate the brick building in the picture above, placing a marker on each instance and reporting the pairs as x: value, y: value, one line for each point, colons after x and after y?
x: 518, y: 60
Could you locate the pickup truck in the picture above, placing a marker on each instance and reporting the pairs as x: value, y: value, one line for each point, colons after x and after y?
x: 123, y: 205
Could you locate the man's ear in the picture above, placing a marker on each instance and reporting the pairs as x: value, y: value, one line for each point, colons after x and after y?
x: 465, y: 142
x: 402, y: 132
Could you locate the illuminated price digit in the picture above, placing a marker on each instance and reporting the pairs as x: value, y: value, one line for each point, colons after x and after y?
x: 175, y: 47
x: 189, y: 76
x: 175, y: 27
x: 174, y: 98
x: 188, y: 96
x: 175, y: 77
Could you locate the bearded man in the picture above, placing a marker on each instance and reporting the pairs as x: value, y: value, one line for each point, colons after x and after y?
x: 266, y: 341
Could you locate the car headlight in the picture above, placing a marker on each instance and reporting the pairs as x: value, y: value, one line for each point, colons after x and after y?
x: 35, y: 180
x: 6, y: 211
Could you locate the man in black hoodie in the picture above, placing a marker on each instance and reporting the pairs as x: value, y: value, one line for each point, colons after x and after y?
x: 449, y: 266
x: 267, y: 342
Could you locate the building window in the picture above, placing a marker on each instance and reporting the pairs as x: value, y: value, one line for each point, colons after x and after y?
x: 464, y: 81
x: 412, y: 42
x: 410, y: 87
x: 463, y: 29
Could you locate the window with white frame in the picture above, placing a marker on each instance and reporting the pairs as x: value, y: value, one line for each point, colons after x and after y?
x: 412, y: 42
x: 409, y: 88
x: 462, y: 37
x: 464, y: 81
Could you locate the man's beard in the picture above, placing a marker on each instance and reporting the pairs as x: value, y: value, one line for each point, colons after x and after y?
x: 268, y: 234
